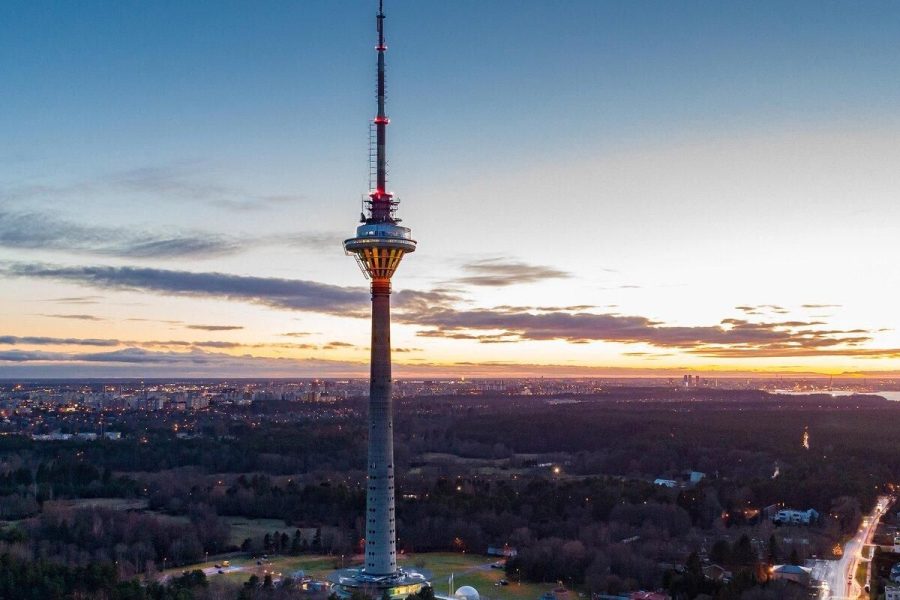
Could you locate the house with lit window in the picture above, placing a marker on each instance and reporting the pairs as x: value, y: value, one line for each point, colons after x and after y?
x: 787, y: 516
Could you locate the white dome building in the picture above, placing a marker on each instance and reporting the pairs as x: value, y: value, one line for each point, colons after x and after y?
x: 467, y: 592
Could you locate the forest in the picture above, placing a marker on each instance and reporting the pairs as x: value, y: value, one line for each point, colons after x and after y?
x: 569, y: 485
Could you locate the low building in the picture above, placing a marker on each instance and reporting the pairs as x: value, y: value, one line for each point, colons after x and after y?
x: 787, y: 516
x: 795, y: 573
x: 649, y: 596
x: 716, y: 573
x: 897, y: 543
x: 892, y: 592
x: 669, y: 483
x: 694, y: 477
x: 506, y: 551
x: 52, y: 437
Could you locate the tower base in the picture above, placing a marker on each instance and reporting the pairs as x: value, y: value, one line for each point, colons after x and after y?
x: 398, y: 586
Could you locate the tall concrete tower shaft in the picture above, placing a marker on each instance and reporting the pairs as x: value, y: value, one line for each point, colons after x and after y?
x: 381, y: 539
x: 379, y: 246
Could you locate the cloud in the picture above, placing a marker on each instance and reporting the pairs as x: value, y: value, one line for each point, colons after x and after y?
x: 76, y: 300
x: 336, y: 345
x: 178, y: 181
x: 196, y: 245
x: 438, y: 314
x: 730, y: 338
x: 165, y: 321
x: 214, y: 327
x: 140, y: 355
x: 38, y: 231
x: 12, y: 340
x: 296, y: 334
x: 498, y: 272
x: 139, y: 362
x: 75, y: 317
x: 814, y: 306
x: 311, y: 240
x: 761, y: 309
x: 30, y: 356
x: 189, y: 180
x: 649, y: 355
x: 786, y: 351
x: 289, y: 294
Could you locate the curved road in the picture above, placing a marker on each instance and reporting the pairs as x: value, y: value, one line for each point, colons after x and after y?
x: 839, y: 575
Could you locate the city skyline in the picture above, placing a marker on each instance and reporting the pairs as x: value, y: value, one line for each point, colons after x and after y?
x: 710, y: 196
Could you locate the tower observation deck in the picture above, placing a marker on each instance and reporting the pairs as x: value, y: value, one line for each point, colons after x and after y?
x: 378, y: 246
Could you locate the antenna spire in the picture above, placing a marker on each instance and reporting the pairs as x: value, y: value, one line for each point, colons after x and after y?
x: 381, y: 203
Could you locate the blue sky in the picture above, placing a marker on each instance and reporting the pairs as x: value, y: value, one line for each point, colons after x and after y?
x: 669, y: 161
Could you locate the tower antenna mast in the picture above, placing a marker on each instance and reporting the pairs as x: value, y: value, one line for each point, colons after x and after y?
x: 381, y: 203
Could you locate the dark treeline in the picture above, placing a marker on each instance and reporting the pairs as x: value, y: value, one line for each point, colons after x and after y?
x: 261, y: 496
x: 136, y: 542
x: 67, y: 475
x: 44, y: 580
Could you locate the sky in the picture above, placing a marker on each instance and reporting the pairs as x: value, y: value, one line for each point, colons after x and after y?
x: 597, y: 188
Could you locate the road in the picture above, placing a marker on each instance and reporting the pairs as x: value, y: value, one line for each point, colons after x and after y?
x: 839, y: 575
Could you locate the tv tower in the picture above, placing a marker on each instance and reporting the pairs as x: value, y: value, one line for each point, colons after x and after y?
x: 379, y: 246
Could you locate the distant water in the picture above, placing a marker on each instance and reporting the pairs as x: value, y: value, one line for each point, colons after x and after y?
x: 892, y: 396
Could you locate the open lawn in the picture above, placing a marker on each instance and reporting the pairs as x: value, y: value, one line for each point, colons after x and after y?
x: 108, y: 503
x: 241, y: 568
x: 474, y: 570
x: 467, y: 569
x: 314, y: 566
x: 861, y: 568
x: 242, y: 528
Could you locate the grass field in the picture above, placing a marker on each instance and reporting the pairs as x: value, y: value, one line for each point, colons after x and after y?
x: 467, y: 569
x: 315, y: 566
x: 474, y: 570
x: 242, y: 528
x: 861, y: 569
x: 108, y: 503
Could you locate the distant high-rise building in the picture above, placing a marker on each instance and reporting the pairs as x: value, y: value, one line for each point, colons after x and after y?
x: 378, y: 247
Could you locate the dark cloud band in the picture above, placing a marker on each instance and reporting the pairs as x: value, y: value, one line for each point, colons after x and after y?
x: 290, y: 294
